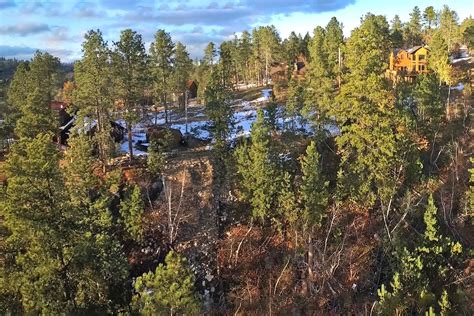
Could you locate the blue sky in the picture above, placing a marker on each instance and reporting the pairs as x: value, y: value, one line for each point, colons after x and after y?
x: 59, y: 26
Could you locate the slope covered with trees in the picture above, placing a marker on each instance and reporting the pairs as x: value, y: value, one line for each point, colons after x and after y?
x: 352, y: 194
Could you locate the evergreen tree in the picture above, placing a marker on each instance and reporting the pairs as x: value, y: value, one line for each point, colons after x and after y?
x: 61, y: 257
x: 100, y: 255
x: 226, y: 64
x: 396, y: 32
x: 182, y: 67
x: 218, y: 109
x: 292, y: 46
x: 439, y: 57
x: 155, y: 159
x: 288, y: 207
x: 209, y: 54
x: 333, y: 41
x: 93, y: 95
x: 429, y: 17
x: 429, y: 104
x: 161, y: 67
x: 167, y: 291
x: 130, y: 77
x: 425, y: 277
x: 371, y: 138
x: 320, y: 84
x: 449, y: 27
x: 269, y: 46
x: 45, y: 74
x: 295, y: 102
x: 314, y: 196
x: 257, y: 62
x: 257, y: 168
x: 467, y: 32
x: 413, y: 28
x: 36, y: 116
x: 30, y: 95
x: 19, y: 89
x: 245, y: 51
x: 131, y: 212
x: 35, y: 214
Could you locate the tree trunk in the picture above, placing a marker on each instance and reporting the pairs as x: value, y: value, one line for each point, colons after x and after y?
x: 447, y: 103
x: 100, y: 143
x: 310, y: 262
x: 166, y: 108
x: 130, y: 142
x: 266, y: 69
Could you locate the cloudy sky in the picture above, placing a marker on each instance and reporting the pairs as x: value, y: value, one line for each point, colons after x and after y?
x: 59, y: 26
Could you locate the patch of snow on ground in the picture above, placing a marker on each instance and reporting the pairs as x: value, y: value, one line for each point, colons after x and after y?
x: 457, y: 60
x: 197, y: 129
x: 459, y: 87
x: 136, y: 138
x: 242, y: 119
x: 267, y: 93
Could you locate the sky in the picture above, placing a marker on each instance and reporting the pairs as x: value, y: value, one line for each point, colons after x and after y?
x: 59, y: 26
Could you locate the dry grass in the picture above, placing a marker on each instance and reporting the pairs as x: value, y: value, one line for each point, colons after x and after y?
x: 3, y: 176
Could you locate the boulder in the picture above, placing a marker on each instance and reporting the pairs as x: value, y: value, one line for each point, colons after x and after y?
x: 165, y: 136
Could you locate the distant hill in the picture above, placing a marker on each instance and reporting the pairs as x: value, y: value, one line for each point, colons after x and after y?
x: 8, y: 68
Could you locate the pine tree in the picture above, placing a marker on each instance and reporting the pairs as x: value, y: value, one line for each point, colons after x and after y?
x: 396, y: 32
x: 292, y: 47
x: 45, y: 74
x: 429, y: 17
x: 449, y: 27
x: 155, y: 159
x: 131, y: 212
x: 425, y: 277
x: 257, y: 62
x: 429, y: 104
x: 167, y: 291
x: 36, y: 116
x: 62, y: 258
x: 333, y: 42
x: 288, y: 207
x: 467, y: 32
x: 295, y: 101
x: 256, y: 165
x: 93, y: 95
x: 439, y: 57
x: 245, y: 51
x: 320, y: 86
x: 314, y: 194
x: 227, y: 64
x: 18, y: 92
x: 182, y: 67
x: 413, y: 28
x: 101, y: 257
x: 129, y: 70
x: 219, y: 112
x: 30, y: 94
x: 371, y: 140
x: 269, y: 41
x: 35, y: 214
x: 209, y: 54
x: 161, y: 67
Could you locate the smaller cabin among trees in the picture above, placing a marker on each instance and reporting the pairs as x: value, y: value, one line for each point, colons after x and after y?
x: 192, y: 88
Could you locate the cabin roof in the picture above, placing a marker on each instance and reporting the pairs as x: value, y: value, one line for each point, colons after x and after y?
x: 58, y: 105
x: 416, y: 48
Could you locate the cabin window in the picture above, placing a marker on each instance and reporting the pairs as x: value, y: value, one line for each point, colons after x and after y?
x: 421, y: 57
x: 421, y: 68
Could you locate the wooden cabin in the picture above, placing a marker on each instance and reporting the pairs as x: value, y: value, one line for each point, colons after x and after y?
x: 408, y: 63
x: 192, y: 88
